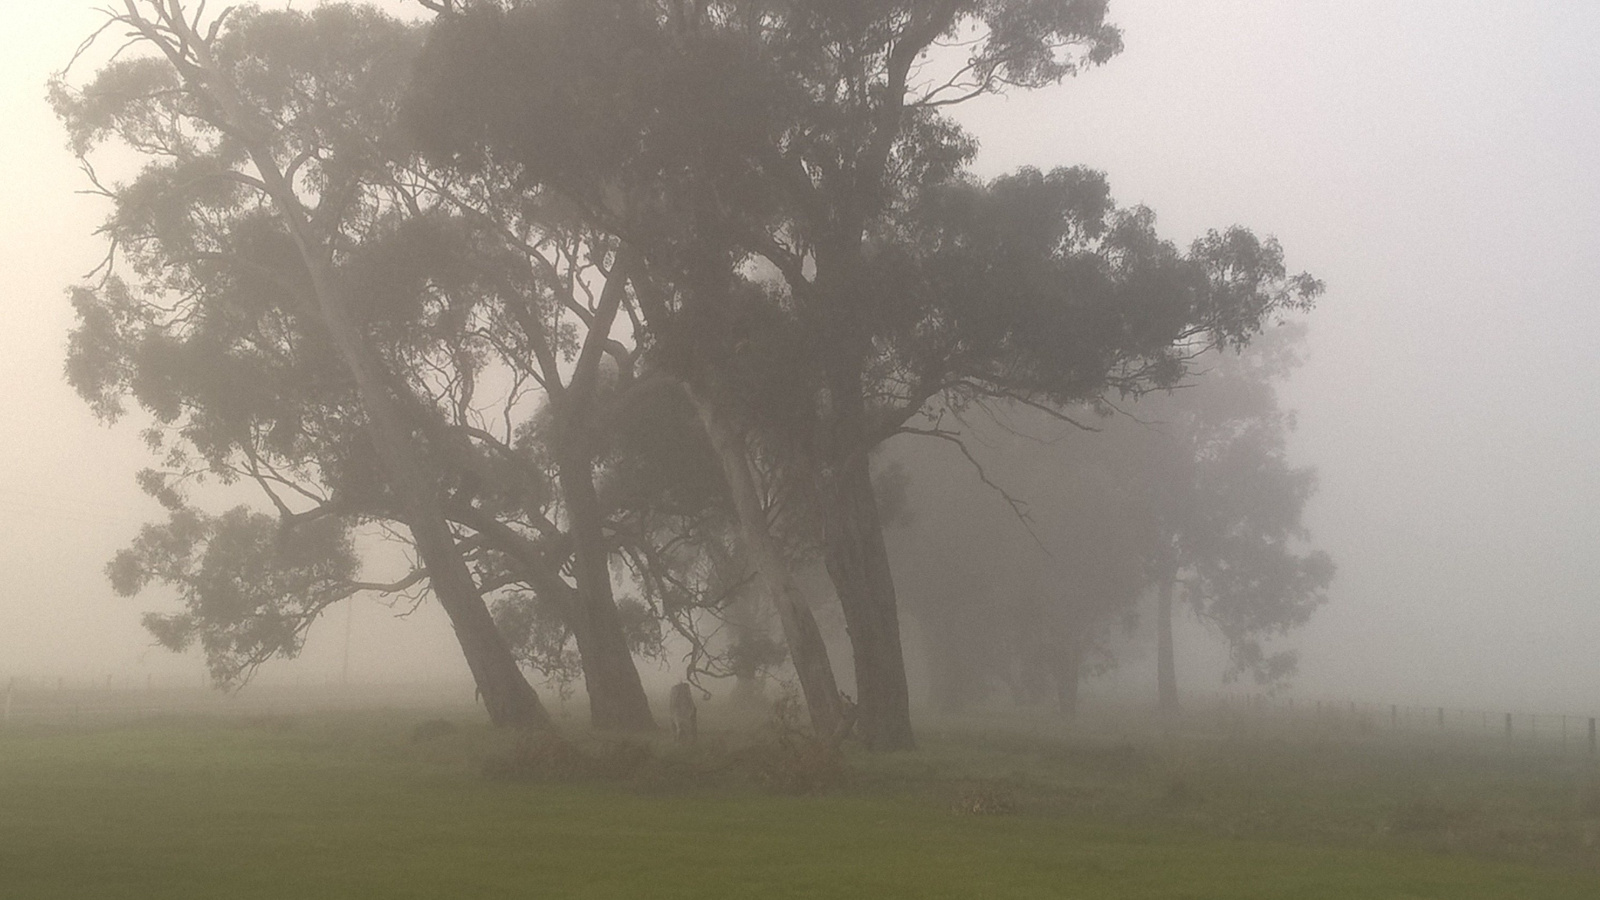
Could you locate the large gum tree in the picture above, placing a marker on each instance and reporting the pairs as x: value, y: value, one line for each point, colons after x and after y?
x: 820, y: 263
x: 296, y: 300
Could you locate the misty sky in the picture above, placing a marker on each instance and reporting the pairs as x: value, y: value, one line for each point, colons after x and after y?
x: 1431, y: 161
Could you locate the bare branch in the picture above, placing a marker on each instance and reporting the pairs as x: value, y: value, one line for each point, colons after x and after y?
x: 1019, y: 508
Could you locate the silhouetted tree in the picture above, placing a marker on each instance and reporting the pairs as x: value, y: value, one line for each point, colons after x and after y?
x: 250, y: 588
x: 1232, y: 544
x: 815, y: 260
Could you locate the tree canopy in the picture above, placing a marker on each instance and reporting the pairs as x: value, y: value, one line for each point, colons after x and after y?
x: 552, y: 288
x: 816, y: 258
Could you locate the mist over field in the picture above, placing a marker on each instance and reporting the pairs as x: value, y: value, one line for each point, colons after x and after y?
x: 1430, y: 163
x: 744, y: 448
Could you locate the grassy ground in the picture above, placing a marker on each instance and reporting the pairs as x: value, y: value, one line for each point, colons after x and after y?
x: 361, y: 806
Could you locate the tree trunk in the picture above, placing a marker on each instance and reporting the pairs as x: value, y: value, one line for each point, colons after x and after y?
x: 744, y: 628
x: 507, y: 695
x: 1166, y: 672
x: 807, y: 650
x: 858, y: 563
x: 616, y: 696
x: 852, y: 534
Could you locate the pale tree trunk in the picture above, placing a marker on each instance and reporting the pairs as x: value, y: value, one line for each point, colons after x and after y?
x: 807, y: 651
x: 1166, y: 672
x: 509, y: 698
x: 506, y: 693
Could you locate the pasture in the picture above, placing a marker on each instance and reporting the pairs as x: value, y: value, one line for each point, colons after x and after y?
x: 396, y: 804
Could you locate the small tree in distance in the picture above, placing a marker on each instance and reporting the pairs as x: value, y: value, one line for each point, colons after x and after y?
x: 1233, y: 546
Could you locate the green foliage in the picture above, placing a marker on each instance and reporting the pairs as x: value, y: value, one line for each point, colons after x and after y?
x: 1230, y: 505
x: 1033, y: 285
x: 250, y: 586
x: 212, y: 321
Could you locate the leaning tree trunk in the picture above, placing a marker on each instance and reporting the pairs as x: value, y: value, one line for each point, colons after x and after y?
x: 506, y: 693
x: 1166, y: 672
x: 616, y: 696
x: 508, y: 696
x: 858, y: 564
x: 807, y: 650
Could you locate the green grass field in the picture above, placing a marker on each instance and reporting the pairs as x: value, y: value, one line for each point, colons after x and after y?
x: 337, y: 806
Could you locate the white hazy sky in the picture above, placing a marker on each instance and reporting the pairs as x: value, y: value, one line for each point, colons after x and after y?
x: 1432, y: 161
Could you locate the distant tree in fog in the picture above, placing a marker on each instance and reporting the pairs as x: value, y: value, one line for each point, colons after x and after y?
x: 1018, y: 595
x: 1016, y: 584
x: 1230, y: 506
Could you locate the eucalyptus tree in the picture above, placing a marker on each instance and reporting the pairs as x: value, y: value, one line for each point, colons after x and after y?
x: 266, y: 153
x: 1187, y: 495
x: 297, y: 300
x: 797, y: 193
x: 1231, y: 541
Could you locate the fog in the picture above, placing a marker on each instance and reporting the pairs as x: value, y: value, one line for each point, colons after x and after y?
x: 1430, y: 161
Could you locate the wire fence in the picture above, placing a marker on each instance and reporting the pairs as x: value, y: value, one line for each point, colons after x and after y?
x: 85, y: 703
x: 64, y: 703
x: 1545, y: 731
